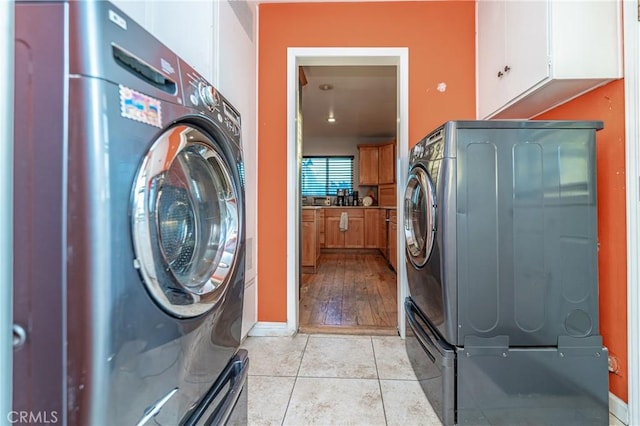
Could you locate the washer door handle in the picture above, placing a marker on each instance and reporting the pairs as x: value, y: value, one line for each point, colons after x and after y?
x: 19, y: 337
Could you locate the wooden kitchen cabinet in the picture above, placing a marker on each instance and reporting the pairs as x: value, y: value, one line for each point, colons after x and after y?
x: 371, y: 228
x: 383, y: 229
x: 320, y: 225
x: 534, y: 55
x: 310, y: 244
x: 333, y: 237
x: 377, y: 163
x: 353, y: 237
x: 368, y: 157
x: 393, y: 240
x: 387, y: 163
x: 387, y: 195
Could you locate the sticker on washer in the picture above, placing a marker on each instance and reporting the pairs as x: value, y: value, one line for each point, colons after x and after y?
x: 139, y: 107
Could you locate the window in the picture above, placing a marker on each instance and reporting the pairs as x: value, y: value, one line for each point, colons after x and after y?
x: 322, y: 176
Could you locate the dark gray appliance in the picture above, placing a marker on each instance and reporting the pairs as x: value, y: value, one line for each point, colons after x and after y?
x: 129, y: 227
x: 501, y: 247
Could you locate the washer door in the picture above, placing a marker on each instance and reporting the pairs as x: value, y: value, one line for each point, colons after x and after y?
x: 419, y: 216
x: 185, y: 221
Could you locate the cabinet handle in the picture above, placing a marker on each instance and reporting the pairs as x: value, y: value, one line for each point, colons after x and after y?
x: 507, y: 68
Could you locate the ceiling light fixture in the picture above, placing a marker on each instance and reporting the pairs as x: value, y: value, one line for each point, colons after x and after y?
x: 331, y: 119
x: 325, y: 87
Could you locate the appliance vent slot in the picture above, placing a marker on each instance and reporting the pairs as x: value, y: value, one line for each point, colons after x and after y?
x: 142, y: 70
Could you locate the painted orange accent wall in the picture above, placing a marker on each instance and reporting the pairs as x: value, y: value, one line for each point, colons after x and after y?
x: 440, y: 38
x: 607, y: 104
x: 441, y: 41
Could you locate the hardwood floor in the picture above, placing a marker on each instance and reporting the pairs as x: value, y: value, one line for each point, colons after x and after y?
x: 352, y: 292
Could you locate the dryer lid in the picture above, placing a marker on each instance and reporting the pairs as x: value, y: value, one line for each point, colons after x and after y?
x: 185, y: 221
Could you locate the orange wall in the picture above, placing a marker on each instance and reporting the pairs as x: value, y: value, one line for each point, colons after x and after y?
x: 441, y: 41
x: 440, y: 38
x: 607, y: 104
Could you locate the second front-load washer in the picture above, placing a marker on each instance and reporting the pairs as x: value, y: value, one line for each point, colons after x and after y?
x: 129, y: 219
x: 501, y: 256
x: 501, y: 229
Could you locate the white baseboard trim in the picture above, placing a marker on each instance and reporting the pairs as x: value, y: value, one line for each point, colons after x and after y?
x: 619, y: 408
x: 273, y: 329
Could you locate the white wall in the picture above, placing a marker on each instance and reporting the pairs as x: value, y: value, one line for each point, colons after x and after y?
x: 185, y: 26
x: 219, y: 39
x: 236, y: 59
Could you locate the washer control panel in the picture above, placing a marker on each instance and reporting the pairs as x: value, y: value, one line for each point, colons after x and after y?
x: 429, y: 148
x: 201, y: 95
x: 208, y: 95
x: 231, y: 119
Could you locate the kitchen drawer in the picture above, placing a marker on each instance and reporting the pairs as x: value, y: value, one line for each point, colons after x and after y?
x: 352, y: 212
x: 308, y: 215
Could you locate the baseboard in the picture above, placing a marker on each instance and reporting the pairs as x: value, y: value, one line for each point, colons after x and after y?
x: 619, y: 408
x: 272, y: 329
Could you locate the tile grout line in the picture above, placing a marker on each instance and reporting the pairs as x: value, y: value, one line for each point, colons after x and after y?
x: 375, y: 361
x: 295, y: 380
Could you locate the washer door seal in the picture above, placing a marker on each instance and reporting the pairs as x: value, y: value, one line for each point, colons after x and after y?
x: 185, y: 221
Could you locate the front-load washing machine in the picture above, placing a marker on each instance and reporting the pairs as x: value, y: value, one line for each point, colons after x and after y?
x: 129, y: 227
x: 501, y: 256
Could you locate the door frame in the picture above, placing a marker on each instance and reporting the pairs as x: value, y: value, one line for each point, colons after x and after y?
x: 331, y: 56
x: 630, y: 413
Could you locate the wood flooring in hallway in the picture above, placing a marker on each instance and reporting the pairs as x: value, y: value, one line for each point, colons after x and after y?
x: 352, y: 292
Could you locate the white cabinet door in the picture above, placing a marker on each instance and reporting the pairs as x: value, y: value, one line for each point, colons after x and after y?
x: 533, y: 55
x: 527, y: 45
x: 513, y: 50
x: 491, y: 55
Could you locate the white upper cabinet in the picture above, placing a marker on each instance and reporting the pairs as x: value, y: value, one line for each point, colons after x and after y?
x: 534, y: 55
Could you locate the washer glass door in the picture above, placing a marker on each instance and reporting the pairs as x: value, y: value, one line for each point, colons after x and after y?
x: 185, y: 221
x: 419, y: 216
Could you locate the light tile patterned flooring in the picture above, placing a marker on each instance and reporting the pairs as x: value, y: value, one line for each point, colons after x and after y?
x: 309, y: 380
x: 333, y: 379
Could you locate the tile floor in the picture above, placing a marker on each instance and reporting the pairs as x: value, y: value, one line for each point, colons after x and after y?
x: 335, y: 379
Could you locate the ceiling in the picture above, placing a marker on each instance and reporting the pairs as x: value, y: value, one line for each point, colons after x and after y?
x: 362, y: 99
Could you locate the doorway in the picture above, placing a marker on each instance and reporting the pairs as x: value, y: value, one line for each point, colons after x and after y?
x: 345, y: 109
x: 297, y: 57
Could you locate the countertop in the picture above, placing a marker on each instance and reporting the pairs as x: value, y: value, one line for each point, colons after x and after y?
x: 348, y: 207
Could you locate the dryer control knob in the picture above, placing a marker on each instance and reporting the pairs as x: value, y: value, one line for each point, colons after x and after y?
x: 208, y: 95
